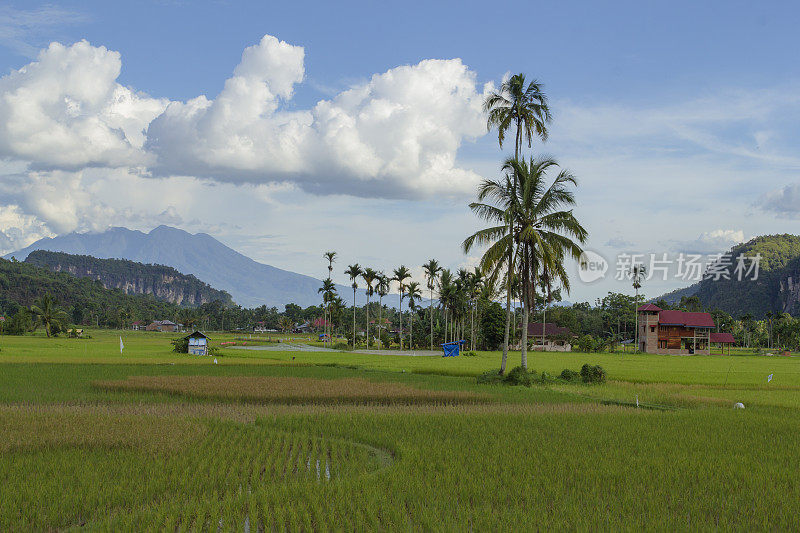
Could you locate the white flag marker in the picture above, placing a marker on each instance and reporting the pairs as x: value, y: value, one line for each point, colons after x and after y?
x: 121, y: 346
x: 769, y: 378
x: 215, y: 360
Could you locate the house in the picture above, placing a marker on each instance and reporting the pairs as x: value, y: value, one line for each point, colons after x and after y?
x: 162, y: 325
x: 556, y: 339
x: 138, y: 325
x: 666, y: 331
x: 198, y: 343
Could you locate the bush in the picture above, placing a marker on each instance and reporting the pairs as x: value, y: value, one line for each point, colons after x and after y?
x: 470, y: 353
x: 180, y: 345
x: 593, y: 374
x: 342, y: 346
x: 570, y: 375
x: 520, y: 376
x: 491, y: 377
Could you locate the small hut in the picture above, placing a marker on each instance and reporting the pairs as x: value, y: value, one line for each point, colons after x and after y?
x: 198, y: 343
x: 722, y: 339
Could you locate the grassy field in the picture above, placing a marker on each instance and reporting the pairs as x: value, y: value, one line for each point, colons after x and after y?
x: 273, y: 440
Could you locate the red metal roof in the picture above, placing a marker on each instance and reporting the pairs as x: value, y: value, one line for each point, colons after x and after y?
x: 683, y: 318
x: 550, y: 329
x: 649, y: 307
x: 722, y: 338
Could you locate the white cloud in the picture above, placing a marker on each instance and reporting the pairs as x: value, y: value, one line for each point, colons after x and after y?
x: 396, y: 135
x: 720, y: 240
x: 19, y: 28
x: 784, y: 202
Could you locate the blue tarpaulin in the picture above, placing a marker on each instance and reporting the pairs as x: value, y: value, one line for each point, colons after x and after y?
x: 451, y: 349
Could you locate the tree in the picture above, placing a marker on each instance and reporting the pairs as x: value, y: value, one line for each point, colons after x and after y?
x: 542, y: 232
x: 637, y: 272
x: 285, y: 324
x: 382, y: 289
x: 331, y: 258
x: 354, y: 271
x: 432, y: 270
x: 525, y: 108
x: 328, y: 291
x: 369, y: 276
x: 401, y: 274
x: 47, y: 313
x: 414, y: 294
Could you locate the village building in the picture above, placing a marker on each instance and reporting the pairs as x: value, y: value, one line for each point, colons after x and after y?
x: 666, y: 331
x: 198, y: 343
x: 556, y: 338
x: 162, y: 325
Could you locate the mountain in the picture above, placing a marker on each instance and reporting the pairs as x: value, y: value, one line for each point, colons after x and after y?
x: 776, y: 290
x: 250, y: 283
x: 163, y: 282
x: 84, y: 298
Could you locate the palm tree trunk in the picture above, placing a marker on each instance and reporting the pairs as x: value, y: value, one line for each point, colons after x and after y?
x: 430, y: 311
x: 524, y: 340
x: 367, y: 312
x: 401, y: 320
x: 544, y: 321
x: 354, y: 318
x: 411, y: 330
x: 380, y: 319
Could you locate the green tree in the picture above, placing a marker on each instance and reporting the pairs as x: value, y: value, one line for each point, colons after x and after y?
x: 432, y: 270
x: 401, y: 274
x: 414, y: 294
x: 354, y: 271
x: 525, y: 108
x: 47, y: 313
x: 382, y: 288
x: 369, y: 276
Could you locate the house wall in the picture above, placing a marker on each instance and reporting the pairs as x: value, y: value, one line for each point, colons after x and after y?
x: 648, y: 331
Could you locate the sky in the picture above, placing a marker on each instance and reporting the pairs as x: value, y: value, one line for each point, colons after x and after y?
x: 288, y: 129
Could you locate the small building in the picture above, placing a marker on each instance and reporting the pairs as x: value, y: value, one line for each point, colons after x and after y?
x: 137, y: 325
x: 722, y: 339
x: 198, y: 343
x: 666, y: 331
x: 162, y: 325
x: 556, y: 338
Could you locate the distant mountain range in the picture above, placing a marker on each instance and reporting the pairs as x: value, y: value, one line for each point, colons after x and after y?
x: 251, y: 284
x: 163, y: 282
x: 776, y: 290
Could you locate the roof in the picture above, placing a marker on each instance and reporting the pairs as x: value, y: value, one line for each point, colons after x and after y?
x: 550, y: 329
x: 684, y: 318
x: 197, y: 334
x: 649, y: 307
x: 725, y: 338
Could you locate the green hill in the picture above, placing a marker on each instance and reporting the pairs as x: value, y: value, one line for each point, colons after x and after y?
x: 85, y: 300
x: 776, y: 290
x: 163, y: 282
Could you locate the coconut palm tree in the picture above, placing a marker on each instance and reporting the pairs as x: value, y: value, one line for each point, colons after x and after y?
x: 543, y: 233
x: 47, y: 312
x: 354, y: 271
x: 446, y: 296
x: 331, y: 258
x: 414, y: 294
x: 475, y: 288
x: 401, y: 274
x: 637, y: 273
x: 432, y: 270
x: 526, y: 109
x: 369, y: 276
x: 328, y: 291
x: 382, y: 288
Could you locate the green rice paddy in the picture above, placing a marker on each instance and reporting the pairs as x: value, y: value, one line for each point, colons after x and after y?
x: 269, y: 440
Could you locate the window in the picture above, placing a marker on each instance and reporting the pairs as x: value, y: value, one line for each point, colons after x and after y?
x: 652, y: 329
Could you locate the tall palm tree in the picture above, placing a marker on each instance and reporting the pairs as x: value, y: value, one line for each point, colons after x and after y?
x: 637, y: 273
x: 446, y: 294
x: 526, y: 109
x: 331, y: 258
x: 382, y: 289
x: 475, y: 288
x: 328, y: 291
x: 414, y: 294
x: 369, y: 276
x: 47, y: 312
x: 354, y: 271
x: 543, y: 233
x: 432, y: 270
x: 401, y: 274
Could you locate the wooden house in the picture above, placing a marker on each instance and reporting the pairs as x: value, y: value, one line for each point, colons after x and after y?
x: 666, y: 331
x: 548, y: 337
x: 198, y: 343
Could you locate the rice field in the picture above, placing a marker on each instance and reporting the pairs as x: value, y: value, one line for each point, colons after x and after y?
x: 153, y: 441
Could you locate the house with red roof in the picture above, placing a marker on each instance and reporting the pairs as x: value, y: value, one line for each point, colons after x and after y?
x: 666, y: 331
x: 549, y: 337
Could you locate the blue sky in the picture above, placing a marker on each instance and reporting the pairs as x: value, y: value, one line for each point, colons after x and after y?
x: 648, y: 99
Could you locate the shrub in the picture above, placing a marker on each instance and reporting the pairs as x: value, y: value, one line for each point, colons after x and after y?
x: 520, y: 376
x: 180, y: 345
x: 491, y: 377
x: 470, y: 353
x: 569, y: 375
x: 341, y: 346
x: 593, y: 374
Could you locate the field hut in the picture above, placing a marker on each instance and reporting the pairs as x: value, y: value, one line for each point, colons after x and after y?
x: 722, y: 339
x: 198, y: 343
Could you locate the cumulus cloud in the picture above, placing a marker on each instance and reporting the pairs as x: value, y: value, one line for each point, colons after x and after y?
x: 66, y: 111
x: 715, y: 241
x: 784, y: 202
x: 396, y: 135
